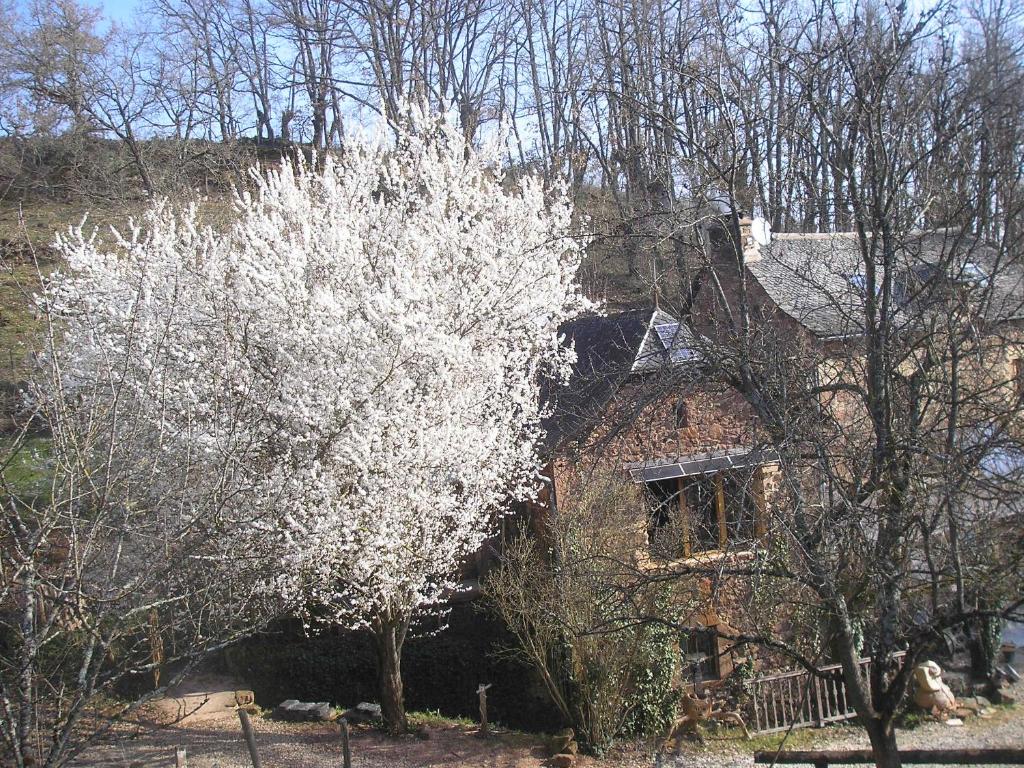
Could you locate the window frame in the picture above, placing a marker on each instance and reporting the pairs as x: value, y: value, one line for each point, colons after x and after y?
x: 663, y: 505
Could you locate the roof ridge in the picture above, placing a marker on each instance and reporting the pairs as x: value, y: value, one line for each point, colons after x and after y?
x: 811, y: 235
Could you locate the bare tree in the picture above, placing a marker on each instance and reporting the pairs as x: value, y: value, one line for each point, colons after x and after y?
x: 115, y: 561
x: 252, y: 25
x: 51, y: 53
x: 120, y: 98
x: 203, y: 36
x: 313, y: 29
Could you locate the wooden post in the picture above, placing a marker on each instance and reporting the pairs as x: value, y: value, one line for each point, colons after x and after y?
x: 760, y: 505
x: 180, y: 758
x: 250, y: 737
x: 346, y: 747
x: 684, y: 517
x: 723, y: 535
x: 481, y: 691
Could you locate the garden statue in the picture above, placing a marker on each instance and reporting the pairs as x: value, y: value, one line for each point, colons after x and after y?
x: 697, y: 712
x: 931, y: 693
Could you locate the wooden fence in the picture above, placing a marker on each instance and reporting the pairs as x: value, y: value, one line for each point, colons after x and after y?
x: 799, y: 699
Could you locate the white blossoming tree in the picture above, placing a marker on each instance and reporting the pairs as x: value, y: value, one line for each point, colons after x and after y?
x: 362, y: 348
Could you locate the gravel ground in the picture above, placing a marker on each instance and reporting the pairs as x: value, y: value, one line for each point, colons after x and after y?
x: 1005, y: 728
x: 211, y: 734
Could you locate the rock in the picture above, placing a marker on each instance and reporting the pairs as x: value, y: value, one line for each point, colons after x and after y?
x: 295, y: 710
x: 982, y: 701
x: 422, y: 733
x: 954, y: 721
x: 572, y: 748
x: 559, y: 743
x: 363, y: 712
x: 563, y: 761
x: 1002, y: 698
x: 281, y: 711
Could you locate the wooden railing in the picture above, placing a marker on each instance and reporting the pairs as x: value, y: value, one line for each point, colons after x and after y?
x: 799, y: 699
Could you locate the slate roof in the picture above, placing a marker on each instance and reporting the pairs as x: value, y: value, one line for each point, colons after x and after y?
x: 818, y: 279
x: 609, y: 350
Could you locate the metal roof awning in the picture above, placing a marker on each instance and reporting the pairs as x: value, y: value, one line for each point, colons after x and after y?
x: 699, y: 464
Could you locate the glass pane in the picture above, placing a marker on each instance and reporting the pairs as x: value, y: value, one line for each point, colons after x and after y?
x: 700, y: 499
x: 665, y: 533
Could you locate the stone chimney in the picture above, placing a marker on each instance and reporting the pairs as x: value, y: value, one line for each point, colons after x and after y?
x: 749, y: 246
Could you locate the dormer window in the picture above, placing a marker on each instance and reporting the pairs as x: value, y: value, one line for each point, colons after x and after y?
x: 674, y: 339
x: 860, y: 282
x: 974, y: 275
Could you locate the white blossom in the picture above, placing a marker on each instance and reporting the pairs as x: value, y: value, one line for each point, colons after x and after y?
x: 362, y: 347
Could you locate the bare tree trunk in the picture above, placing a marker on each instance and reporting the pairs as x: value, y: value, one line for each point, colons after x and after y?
x: 388, y: 636
x: 883, y: 743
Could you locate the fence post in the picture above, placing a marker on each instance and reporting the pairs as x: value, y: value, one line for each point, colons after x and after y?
x: 180, y: 758
x: 346, y: 748
x: 481, y: 691
x: 250, y: 737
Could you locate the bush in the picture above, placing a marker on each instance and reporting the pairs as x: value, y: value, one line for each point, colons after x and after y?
x: 606, y: 666
x: 651, y: 705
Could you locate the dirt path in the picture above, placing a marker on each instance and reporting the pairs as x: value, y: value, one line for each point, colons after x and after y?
x: 312, y: 745
x: 203, y: 700
x: 200, y: 716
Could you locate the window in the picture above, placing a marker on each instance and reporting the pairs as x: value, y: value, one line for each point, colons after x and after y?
x: 682, y: 414
x: 698, y: 648
x: 974, y: 275
x: 665, y: 536
x: 860, y: 282
x: 703, y: 513
x: 741, y: 509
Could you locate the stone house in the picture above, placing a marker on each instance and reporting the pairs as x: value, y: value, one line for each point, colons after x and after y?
x: 639, y: 404
x: 640, y: 401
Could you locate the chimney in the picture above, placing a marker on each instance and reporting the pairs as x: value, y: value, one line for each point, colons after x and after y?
x: 749, y: 246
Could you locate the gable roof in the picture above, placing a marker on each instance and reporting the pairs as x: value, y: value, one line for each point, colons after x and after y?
x: 817, y: 279
x: 609, y: 350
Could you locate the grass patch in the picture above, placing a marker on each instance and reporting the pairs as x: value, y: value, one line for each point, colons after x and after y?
x: 798, y: 738
x: 434, y: 719
x: 37, y: 221
x: 27, y: 467
x: 19, y: 326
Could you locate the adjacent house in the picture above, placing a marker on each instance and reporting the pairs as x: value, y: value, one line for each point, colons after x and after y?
x: 640, y: 401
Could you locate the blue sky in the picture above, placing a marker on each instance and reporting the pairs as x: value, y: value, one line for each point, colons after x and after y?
x: 118, y: 9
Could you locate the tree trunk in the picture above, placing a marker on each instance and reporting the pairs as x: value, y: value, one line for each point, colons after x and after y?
x: 388, y: 636
x: 883, y: 743
x: 983, y: 636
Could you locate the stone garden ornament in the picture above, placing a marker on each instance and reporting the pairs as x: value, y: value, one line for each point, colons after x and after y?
x: 930, y: 693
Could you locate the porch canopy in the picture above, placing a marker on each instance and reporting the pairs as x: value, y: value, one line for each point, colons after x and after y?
x: 699, y: 464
